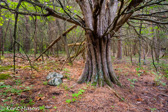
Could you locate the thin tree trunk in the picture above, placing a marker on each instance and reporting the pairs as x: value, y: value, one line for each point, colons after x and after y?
x: 119, y: 53
x: 139, y: 39
x: 1, y: 38
x: 35, y: 38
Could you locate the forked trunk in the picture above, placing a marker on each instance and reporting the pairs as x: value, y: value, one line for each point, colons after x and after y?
x: 101, y: 23
x: 98, y: 66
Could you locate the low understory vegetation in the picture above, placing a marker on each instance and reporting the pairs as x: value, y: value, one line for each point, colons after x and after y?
x: 28, y: 88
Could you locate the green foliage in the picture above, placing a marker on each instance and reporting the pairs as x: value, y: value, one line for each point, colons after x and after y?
x: 76, y: 95
x: 132, y: 82
x: 45, y: 82
x: 10, y: 89
x: 67, y: 76
x: 158, y: 78
x: 66, y: 69
x: 31, y: 102
x: 68, y: 101
x: 4, y: 76
x: 53, y: 97
x: 42, y: 108
x: 5, y: 68
x: 153, y: 109
x: 18, y: 81
x: 65, y: 86
x: 55, y: 107
x: 138, y: 71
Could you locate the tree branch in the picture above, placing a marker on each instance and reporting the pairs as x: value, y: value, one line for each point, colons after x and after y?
x: 149, y: 20
x: 56, y: 41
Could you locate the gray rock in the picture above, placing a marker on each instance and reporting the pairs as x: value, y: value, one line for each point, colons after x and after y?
x: 54, y: 78
x: 54, y: 74
x: 55, y: 81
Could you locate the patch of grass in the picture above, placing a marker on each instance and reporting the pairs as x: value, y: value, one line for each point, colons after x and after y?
x: 4, y: 76
x: 5, y: 68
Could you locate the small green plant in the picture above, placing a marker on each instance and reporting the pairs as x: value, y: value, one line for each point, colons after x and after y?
x: 18, y: 81
x: 42, y: 108
x: 68, y: 101
x: 46, y: 67
x: 31, y: 102
x: 153, y: 109
x: 45, y: 83
x: 76, y: 95
x: 66, y: 69
x: 65, y: 86
x: 158, y: 78
x: 55, y: 107
x: 67, y: 76
x: 132, y: 82
x: 27, y: 88
x: 40, y: 95
x: 138, y: 71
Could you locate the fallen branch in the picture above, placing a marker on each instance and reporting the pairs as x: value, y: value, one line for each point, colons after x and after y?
x: 115, y: 93
x: 79, y: 52
x: 56, y: 41
x: 76, y: 44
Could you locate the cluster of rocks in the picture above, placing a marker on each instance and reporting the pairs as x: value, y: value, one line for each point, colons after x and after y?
x: 54, y: 79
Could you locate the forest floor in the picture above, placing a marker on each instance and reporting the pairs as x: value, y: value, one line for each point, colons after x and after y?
x: 143, y: 90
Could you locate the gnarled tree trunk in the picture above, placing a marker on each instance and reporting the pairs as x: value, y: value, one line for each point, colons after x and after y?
x: 98, y: 66
x: 101, y: 23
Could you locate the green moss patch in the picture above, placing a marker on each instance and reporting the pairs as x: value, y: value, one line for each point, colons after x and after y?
x: 4, y: 68
x: 4, y: 76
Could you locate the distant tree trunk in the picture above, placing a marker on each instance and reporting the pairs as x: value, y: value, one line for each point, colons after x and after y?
x: 119, y: 53
x: 140, y: 43
x: 26, y: 42
x: 66, y: 46
x: 5, y: 35
x: 113, y: 47
x: 134, y: 51
x: 11, y: 41
x: 35, y: 38
x: 1, y: 38
x: 157, y: 45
